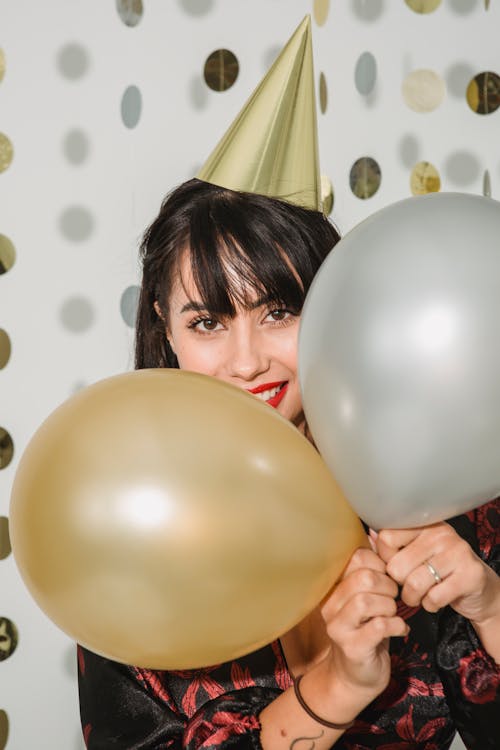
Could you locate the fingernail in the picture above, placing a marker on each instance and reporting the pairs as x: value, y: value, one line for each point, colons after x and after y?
x: 373, y: 533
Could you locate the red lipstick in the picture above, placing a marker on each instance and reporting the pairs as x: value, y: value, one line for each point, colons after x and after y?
x: 277, y: 398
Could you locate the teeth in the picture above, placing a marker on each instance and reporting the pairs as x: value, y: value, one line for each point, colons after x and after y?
x: 266, y: 395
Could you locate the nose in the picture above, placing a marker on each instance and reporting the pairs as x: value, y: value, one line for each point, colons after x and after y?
x: 247, y: 356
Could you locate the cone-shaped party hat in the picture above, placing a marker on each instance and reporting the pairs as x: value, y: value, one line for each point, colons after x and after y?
x: 271, y: 148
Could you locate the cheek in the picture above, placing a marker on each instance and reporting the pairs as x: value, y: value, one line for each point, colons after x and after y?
x: 195, y: 356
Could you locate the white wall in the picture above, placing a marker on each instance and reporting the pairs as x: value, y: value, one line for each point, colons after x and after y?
x: 118, y: 187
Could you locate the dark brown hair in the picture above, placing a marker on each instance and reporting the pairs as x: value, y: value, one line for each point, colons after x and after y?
x: 274, y: 248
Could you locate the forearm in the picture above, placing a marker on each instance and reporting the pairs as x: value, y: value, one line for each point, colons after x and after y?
x: 287, y: 726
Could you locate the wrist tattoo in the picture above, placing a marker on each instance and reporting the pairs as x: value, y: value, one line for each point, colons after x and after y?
x: 297, y: 746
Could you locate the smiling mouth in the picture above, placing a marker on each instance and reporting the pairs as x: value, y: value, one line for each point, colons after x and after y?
x: 271, y: 393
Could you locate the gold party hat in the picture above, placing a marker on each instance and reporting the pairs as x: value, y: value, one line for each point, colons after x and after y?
x: 271, y: 148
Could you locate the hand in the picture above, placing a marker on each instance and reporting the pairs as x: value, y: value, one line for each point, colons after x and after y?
x: 360, y: 617
x: 466, y: 583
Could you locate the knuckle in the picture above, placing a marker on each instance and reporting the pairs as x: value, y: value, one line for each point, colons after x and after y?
x: 367, y: 579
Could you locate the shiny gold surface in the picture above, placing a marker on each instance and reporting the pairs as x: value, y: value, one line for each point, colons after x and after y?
x: 7, y: 254
x: 327, y: 196
x: 323, y: 93
x: 365, y: 177
x: 423, y: 90
x: 176, y: 497
x: 483, y: 93
x: 321, y: 9
x: 221, y: 70
x: 5, y: 548
x: 2, y: 69
x: 424, y: 179
x: 6, y: 152
x: 271, y: 148
x: 6, y: 448
x: 423, y: 6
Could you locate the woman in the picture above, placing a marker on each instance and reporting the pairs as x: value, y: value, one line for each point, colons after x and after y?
x: 225, y: 277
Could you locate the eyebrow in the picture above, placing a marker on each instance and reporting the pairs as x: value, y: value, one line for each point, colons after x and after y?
x: 194, y: 306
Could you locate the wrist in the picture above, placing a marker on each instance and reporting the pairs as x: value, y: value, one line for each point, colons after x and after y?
x: 331, y: 698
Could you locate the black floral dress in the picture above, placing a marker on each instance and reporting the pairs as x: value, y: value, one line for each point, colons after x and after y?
x: 442, y: 681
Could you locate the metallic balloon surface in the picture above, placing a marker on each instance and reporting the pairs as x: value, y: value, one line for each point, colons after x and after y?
x: 169, y: 520
x: 399, y: 360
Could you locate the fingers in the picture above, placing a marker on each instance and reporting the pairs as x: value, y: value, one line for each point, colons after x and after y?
x: 433, y: 564
x: 405, y: 549
x: 364, y: 558
x: 364, y: 592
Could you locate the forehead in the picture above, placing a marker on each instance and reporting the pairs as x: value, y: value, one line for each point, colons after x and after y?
x: 184, y: 286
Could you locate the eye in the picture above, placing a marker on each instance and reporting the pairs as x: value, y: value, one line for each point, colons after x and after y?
x: 209, y: 324
x: 205, y: 324
x: 279, y: 315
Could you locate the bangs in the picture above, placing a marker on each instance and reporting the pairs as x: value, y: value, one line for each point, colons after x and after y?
x: 236, y: 259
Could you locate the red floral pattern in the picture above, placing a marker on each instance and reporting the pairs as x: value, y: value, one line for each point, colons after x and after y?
x: 479, y: 677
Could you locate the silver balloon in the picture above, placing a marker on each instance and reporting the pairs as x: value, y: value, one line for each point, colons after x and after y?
x: 399, y: 360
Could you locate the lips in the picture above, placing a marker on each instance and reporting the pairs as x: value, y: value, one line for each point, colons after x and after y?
x: 271, y: 393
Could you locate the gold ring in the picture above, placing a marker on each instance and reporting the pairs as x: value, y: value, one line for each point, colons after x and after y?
x: 432, y: 570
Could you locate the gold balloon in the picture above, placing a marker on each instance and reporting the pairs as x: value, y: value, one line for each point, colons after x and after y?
x: 166, y: 519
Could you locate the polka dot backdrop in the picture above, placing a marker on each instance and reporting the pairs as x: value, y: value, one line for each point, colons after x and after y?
x: 107, y: 106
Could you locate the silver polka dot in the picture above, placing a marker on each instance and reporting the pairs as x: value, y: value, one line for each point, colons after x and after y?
x: 128, y: 305
x: 198, y: 93
x: 270, y: 56
x: 76, y: 223
x: 462, y: 7
x: 462, y: 168
x: 76, y: 146
x: 365, y: 73
x: 409, y: 150
x: 457, y: 79
x: 131, y: 106
x: 77, y: 314
x: 73, y: 61
x: 196, y: 7
x: 368, y: 10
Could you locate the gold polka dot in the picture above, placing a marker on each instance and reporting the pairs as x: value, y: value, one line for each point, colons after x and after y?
x: 4, y: 729
x: 5, y: 548
x: 221, y: 70
x: 7, y: 254
x: 6, y: 448
x: 365, y: 177
x: 321, y: 9
x: 130, y: 11
x: 327, y: 196
x: 8, y: 638
x: 4, y: 348
x: 424, y: 179
x: 483, y: 93
x: 423, y: 90
x: 323, y: 93
x: 6, y: 152
x: 2, y: 64
x: 423, y: 6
